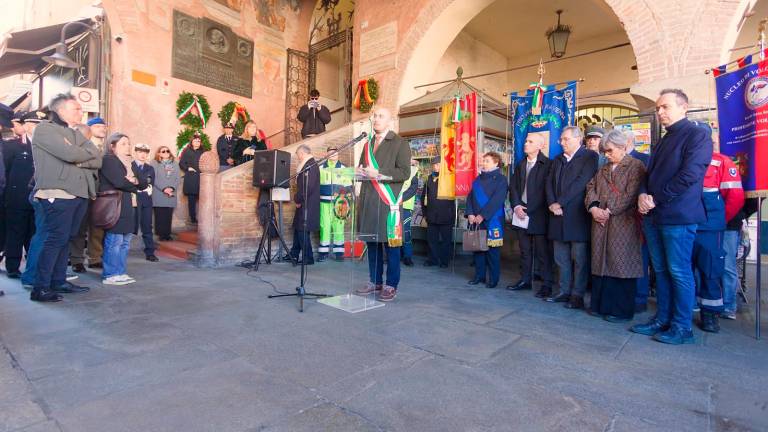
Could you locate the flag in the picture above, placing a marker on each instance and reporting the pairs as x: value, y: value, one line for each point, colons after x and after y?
x: 718, y: 71
x: 746, y: 60
x: 466, y: 145
x: 446, y: 185
x: 742, y: 115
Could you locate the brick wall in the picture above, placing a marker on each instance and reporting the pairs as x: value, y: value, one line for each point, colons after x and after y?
x: 237, y: 231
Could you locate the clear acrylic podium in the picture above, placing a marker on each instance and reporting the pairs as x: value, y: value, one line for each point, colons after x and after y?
x: 353, y: 271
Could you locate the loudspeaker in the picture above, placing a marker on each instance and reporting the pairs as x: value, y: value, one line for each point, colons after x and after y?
x: 271, y: 168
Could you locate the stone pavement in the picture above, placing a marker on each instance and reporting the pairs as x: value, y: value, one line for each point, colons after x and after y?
x: 189, y: 349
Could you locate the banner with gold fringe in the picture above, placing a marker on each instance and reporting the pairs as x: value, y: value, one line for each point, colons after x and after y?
x: 446, y: 185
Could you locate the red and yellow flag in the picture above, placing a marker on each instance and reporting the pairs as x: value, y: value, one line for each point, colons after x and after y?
x: 466, y: 145
x: 446, y: 185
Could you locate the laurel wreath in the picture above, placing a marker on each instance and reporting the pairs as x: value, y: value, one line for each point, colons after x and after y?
x: 225, y: 114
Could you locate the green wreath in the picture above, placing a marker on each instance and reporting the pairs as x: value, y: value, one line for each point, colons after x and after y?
x: 373, y: 92
x: 185, y: 136
x: 191, y: 119
x: 225, y: 114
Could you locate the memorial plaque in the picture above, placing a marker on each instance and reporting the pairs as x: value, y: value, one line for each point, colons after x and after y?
x: 211, y: 54
x: 377, y: 49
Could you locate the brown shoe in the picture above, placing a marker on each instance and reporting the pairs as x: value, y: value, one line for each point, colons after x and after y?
x: 369, y: 288
x: 387, y: 294
x: 575, y: 302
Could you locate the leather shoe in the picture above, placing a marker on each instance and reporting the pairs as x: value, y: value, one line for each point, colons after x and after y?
x: 560, y: 298
x: 41, y: 295
x: 519, y: 286
x: 575, y: 302
x: 475, y: 281
x: 543, y: 292
x: 709, y: 322
x: 14, y: 274
x: 675, y: 336
x: 492, y: 285
x: 152, y: 258
x: 408, y: 262
x: 650, y: 328
x: 78, y: 268
x: 70, y: 288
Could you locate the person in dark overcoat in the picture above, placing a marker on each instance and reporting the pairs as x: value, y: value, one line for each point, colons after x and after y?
x: 440, y: 215
x: 19, y: 215
x: 528, y: 198
x: 617, y: 259
x: 485, y: 210
x: 146, y: 174
x: 306, y: 219
x: 569, y: 222
x: 387, y: 154
x: 118, y: 173
x: 189, y: 162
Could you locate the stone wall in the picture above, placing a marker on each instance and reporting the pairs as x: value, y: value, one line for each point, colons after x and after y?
x: 234, y: 233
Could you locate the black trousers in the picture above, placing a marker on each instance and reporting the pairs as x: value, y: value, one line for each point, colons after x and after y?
x: 20, y: 226
x: 302, y: 243
x: 439, y: 239
x: 144, y: 214
x: 192, y: 206
x: 535, y: 248
x: 163, y: 220
x: 613, y: 296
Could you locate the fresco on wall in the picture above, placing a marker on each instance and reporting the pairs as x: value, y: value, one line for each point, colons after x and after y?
x: 236, y: 5
x: 272, y: 13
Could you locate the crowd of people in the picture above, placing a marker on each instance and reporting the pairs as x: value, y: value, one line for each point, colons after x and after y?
x: 602, y: 213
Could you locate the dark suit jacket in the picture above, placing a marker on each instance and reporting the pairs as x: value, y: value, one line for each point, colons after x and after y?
x: 225, y: 148
x: 537, y: 193
x: 145, y: 174
x: 312, y: 203
x: 19, y: 171
x: 567, y: 185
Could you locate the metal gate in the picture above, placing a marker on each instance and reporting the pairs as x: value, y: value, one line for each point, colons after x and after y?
x: 297, y: 86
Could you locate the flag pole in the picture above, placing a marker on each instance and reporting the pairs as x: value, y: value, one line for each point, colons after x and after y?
x: 758, y: 272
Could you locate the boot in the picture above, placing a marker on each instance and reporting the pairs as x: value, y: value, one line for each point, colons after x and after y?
x: 709, y: 321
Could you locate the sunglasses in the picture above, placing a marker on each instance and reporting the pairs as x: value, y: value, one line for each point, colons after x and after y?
x: 314, y: 98
x: 165, y: 151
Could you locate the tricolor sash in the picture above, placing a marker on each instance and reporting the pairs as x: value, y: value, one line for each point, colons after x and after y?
x: 495, y: 223
x: 394, y: 225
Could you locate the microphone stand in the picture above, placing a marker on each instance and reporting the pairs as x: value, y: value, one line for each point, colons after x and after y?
x: 301, y: 291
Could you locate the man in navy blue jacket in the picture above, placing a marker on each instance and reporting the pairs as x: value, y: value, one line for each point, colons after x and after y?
x: 671, y: 199
x: 569, y: 223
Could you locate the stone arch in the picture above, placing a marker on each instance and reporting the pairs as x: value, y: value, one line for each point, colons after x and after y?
x: 670, y: 41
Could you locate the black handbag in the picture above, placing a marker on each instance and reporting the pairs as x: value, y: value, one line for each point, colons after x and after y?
x: 105, y: 210
x: 475, y: 240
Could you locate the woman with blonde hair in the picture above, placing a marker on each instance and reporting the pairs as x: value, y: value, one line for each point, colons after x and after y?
x: 251, y: 141
x: 164, y: 200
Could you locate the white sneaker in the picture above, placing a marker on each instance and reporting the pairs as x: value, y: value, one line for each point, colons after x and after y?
x: 126, y: 278
x: 71, y: 276
x: 114, y: 280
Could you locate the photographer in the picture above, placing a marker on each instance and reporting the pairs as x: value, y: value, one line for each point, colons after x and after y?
x: 314, y: 116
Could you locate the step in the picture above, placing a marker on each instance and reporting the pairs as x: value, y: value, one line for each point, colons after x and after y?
x: 175, y: 249
x: 187, y: 236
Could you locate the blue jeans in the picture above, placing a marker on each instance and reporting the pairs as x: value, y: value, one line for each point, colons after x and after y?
x: 35, y: 245
x: 407, y: 235
x: 376, y: 254
x: 116, y: 247
x: 731, y: 276
x: 62, y: 219
x: 572, y: 259
x: 671, y: 250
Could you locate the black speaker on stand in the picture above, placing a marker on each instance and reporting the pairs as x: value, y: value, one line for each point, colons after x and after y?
x: 271, y: 168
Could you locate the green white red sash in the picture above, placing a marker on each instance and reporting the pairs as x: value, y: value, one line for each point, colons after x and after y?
x: 394, y: 224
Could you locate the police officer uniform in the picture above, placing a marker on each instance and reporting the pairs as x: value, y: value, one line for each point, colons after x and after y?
x: 19, y: 215
x: 146, y: 174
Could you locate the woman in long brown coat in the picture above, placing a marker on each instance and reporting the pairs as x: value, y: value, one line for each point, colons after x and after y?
x: 617, y: 259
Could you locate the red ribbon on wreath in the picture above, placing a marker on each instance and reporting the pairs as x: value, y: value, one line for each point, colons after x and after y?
x: 362, y: 88
x: 239, y: 111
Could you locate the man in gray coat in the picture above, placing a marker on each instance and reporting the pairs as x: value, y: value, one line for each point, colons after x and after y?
x: 380, y: 203
x: 62, y: 187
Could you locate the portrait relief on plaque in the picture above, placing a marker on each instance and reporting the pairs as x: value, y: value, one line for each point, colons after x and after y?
x: 185, y: 26
x: 217, y: 41
x: 244, y: 48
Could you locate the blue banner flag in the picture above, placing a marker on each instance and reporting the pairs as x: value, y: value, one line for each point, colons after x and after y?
x: 559, y: 111
x: 742, y: 116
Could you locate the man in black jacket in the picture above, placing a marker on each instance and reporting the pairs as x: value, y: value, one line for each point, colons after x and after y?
x: 146, y: 174
x: 528, y: 198
x: 440, y: 215
x: 307, y: 199
x: 569, y: 223
x: 314, y: 116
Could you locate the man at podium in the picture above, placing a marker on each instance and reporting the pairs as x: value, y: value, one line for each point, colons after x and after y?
x: 385, y: 155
